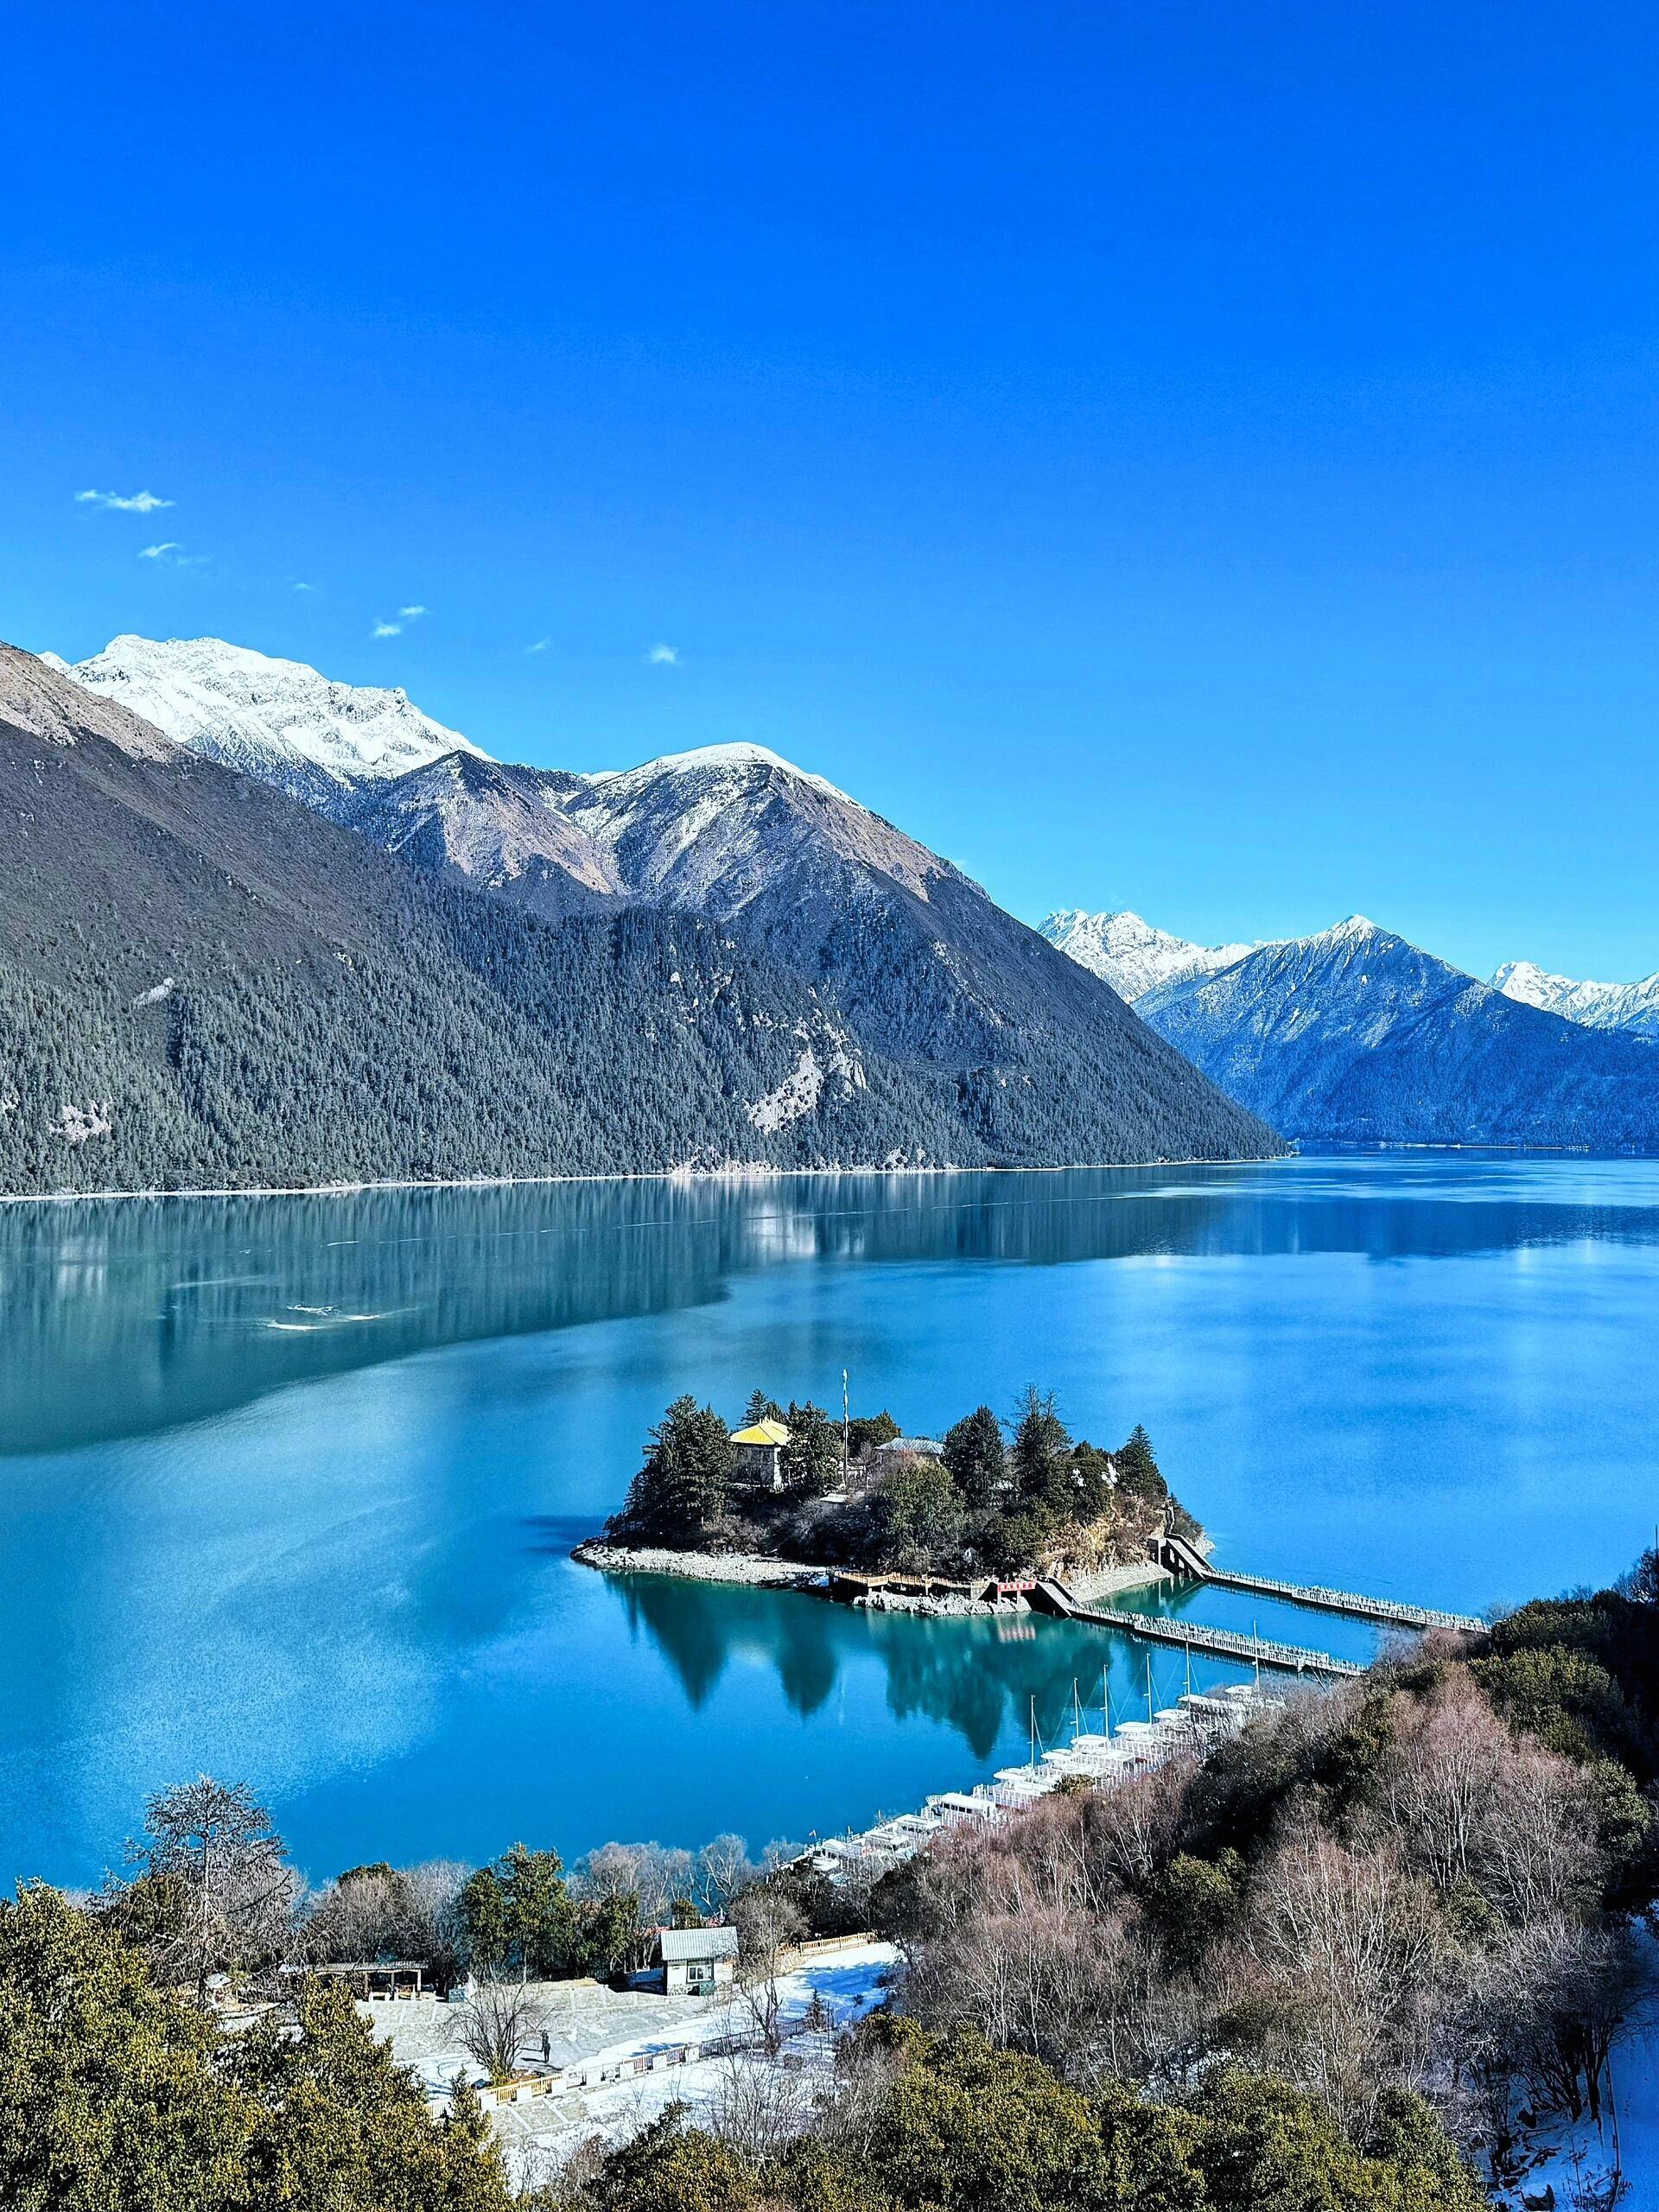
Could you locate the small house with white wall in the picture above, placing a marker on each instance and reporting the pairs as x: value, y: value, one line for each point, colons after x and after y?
x: 899, y: 1449
x: 695, y: 1962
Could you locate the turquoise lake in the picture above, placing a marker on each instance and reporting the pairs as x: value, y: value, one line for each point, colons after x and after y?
x: 288, y: 1485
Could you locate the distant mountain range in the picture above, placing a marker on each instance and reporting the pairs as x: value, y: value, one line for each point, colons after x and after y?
x: 713, y: 961
x: 1632, y: 1007
x: 1135, y: 958
x: 1131, y: 956
x: 1354, y: 1034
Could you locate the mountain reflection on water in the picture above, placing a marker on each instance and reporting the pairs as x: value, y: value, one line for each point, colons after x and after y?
x: 151, y: 1290
x: 290, y: 1485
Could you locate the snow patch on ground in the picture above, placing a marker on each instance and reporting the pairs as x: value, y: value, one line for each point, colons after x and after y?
x: 537, y: 2131
x: 76, y: 1123
x: 796, y: 1094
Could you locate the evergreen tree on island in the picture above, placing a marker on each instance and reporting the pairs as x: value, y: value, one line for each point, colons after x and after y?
x: 975, y: 1459
x: 682, y: 1485
x: 812, y: 1459
x: 1042, y: 1457
x: 1137, y: 1467
x: 761, y: 1408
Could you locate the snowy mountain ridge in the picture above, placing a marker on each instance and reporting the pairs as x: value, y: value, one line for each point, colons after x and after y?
x: 279, y: 721
x: 1632, y: 1007
x: 1131, y: 954
x: 716, y: 828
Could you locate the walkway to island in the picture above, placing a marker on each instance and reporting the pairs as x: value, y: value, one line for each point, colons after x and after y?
x: 1051, y: 1596
x: 1171, y: 1557
x: 1386, y: 1611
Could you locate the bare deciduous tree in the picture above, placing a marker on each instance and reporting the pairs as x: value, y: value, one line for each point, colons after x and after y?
x: 209, y: 1843
x: 723, y: 1872
x: 385, y: 1912
x: 1474, y: 1806
x: 758, y: 2105
x: 1558, y: 1995
x: 499, y: 2020
x: 767, y: 1926
x: 1349, y: 1940
x: 656, y: 1877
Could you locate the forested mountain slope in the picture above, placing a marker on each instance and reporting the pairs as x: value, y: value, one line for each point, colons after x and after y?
x: 1032, y: 1059
x: 204, y: 983
x: 1354, y: 1034
x: 928, y: 968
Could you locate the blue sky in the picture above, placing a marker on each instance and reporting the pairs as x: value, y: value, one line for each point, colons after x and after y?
x: 1201, y: 459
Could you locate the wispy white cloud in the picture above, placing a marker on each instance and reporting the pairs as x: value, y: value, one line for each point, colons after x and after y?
x: 160, y: 552
x: 409, y: 613
x: 540, y: 646
x: 299, y: 587
x: 663, y: 657
x: 387, y: 630
x: 174, y: 555
x: 139, y: 503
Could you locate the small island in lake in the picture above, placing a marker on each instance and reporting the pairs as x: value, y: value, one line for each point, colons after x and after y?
x: 791, y: 1495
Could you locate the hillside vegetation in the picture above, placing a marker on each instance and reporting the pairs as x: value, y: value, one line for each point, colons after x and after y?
x: 204, y: 983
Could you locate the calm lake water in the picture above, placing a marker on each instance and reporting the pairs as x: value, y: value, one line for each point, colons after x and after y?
x: 288, y: 1485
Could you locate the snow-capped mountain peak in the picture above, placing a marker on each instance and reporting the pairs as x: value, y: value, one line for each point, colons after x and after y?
x: 719, y: 760
x: 278, y: 720
x: 1130, y: 954
x: 717, y: 827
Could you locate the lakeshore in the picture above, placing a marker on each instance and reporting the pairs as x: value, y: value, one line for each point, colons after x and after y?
x: 734, y: 1172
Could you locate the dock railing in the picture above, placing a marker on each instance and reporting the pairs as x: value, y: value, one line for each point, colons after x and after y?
x: 1387, y: 1610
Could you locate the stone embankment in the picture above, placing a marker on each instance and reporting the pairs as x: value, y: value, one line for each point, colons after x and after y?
x: 759, y: 1572
x: 752, y: 1568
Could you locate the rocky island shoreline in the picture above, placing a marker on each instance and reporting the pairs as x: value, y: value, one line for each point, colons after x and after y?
x: 754, y: 1570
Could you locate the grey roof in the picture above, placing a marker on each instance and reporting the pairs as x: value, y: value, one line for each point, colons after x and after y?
x: 697, y: 1943
x: 920, y: 1448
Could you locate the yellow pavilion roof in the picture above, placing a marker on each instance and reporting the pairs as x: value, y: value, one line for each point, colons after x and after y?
x: 764, y: 1432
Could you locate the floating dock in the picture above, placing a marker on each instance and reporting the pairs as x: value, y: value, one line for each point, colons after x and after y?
x: 1051, y: 1596
x: 1385, y: 1611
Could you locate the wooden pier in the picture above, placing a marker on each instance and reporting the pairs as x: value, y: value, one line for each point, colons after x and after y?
x: 1185, y: 1562
x: 1050, y: 1596
x: 1383, y: 1610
